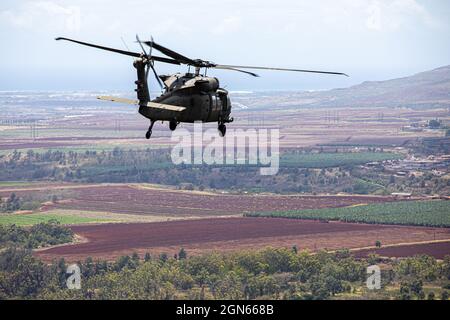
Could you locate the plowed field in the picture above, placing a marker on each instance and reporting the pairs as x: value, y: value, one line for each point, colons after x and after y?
x: 138, y: 200
x: 226, y: 234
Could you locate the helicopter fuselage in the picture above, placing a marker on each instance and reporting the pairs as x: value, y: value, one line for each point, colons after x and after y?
x: 202, y: 97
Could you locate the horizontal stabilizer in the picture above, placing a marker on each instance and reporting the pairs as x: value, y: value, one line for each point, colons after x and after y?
x: 164, y: 106
x: 117, y: 99
x: 155, y: 105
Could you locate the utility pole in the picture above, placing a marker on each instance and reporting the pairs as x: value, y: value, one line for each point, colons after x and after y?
x: 33, y: 130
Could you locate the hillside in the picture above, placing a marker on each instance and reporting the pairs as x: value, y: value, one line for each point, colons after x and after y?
x: 427, y: 89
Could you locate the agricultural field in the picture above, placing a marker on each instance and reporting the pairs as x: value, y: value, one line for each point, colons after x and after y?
x: 115, y: 219
x: 35, y: 218
x: 150, y: 200
x: 109, y: 241
x: 70, y: 121
x: 435, y: 213
x: 437, y: 249
x: 154, y: 200
x: 121, y: 193
x: 326, y: 160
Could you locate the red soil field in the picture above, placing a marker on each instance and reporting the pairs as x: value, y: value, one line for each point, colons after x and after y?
x: 437, y: 249
x: 133, y: 200
x: 40, y: 189
x: 226, y: 234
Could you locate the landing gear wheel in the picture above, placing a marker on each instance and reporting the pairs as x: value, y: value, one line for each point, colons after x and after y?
x: 172, y: 125
x: 148, y: 134
x: 222, y: 129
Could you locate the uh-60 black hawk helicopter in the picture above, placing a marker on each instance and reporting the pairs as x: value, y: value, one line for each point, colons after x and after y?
x: 186, y: 97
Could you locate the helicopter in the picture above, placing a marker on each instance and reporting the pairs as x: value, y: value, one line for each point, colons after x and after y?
x: 187, y: 97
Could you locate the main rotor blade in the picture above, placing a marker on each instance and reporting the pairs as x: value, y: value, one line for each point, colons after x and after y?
x: 151, y: 46
x: 127, y: 53
x: 142, y: 47
x: 234, y: 69
x: 170, y: 53
x: 156, y: 76
x: 165, y: 60
x: 278, y: 69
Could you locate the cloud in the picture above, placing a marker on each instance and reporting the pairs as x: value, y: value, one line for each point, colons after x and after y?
x: 171, y: 26
x: 373, y: 21
x: 391, y: 15
x: 356, y: 36
x: 229, y: 24
x: 44, y: 14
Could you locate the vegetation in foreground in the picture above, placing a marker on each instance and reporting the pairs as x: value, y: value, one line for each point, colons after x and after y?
x: 39, y: 235
x: 432, y: 213
x: 266, y: 274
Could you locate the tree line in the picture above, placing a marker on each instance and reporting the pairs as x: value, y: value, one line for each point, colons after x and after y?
x: 265, y: 274
x: 39, y: 235
x: 155, y: 166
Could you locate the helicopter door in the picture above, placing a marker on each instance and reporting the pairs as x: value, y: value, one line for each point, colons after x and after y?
x: 222, y: 101
x: 223, y: 98
x: 218, y: 104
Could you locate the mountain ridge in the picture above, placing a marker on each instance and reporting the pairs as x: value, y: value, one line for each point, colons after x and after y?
x: 427, y: 89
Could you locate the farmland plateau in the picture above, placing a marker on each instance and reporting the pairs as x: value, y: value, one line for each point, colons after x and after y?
x: 366, y: 184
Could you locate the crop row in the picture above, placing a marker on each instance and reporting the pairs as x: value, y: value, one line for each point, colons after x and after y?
x: 433, y: 213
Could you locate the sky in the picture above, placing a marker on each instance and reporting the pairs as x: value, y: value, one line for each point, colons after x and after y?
x: 368, y: 39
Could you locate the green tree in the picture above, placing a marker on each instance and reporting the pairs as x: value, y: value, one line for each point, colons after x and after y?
x: 182, y: 254
x: 21, y: 275
x: 12, y: 203
x: 434, y: 124
x: 135, y: 258
x: 412, y: 287
x: 228, y: 287
x: 163, y: 257
x: 405, y: 291
x: 445, y: 267
x: 319, y: 290
x: 416, y: 286
x: 420, y: 267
